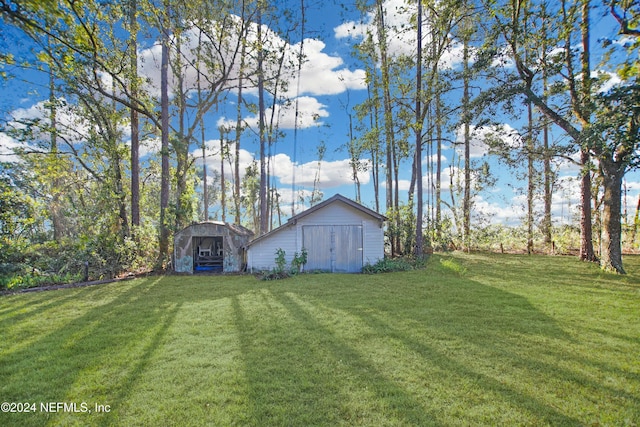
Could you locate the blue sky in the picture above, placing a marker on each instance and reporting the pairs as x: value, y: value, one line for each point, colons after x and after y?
x: 332, y: 80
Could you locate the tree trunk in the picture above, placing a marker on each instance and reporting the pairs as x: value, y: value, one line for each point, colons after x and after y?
x: 418, y: 167
x: 439, y: 120
x: 223, y: 184
x: 55, y: 207
x: 135, y: 128
x: 548, y: 194
x: 531, y: 179
x: 261, y: 130
x: 466, y: 202
x: 236, y: 192
x: 611, y: 258
x: 180, y: 144
x: 119, y: 187
x: 388, y: 113
x: 164, y: 175
x: 374, y: 148
x: 586, y: 229
x: 546, y: 155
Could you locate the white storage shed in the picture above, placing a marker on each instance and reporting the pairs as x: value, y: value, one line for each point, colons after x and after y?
x: 339, y: 235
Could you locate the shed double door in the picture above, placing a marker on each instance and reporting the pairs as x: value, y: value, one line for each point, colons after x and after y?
x: 335, y: 248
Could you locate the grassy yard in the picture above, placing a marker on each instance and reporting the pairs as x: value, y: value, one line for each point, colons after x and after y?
x: 471, y: 340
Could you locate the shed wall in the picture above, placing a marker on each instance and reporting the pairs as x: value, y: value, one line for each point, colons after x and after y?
x: 373, y: 242
x: 261, y: 255
x: 342, y: 214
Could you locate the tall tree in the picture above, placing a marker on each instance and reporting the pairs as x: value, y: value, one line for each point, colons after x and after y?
x: 55, y: 204
x: 418, y: 132
x: 223, y: 185
x: 582, y: 104
x: 239, y: 123
x: 164, y: 129
x: 617, y: 130
x: 382, y: 44
x: 466, y: 119
x: 135, y: 121
x: 571, y: 81
x: 261, y: 126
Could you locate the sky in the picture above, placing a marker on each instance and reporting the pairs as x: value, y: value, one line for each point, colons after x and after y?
x: 331, y: 83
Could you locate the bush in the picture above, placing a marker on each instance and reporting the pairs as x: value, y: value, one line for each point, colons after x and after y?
x: 280, y: 271
x: 53, y: 263
x: 390, y: 265
x: 298, y: 261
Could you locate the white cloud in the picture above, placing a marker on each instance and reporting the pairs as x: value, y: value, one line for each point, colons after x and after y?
x: 433, y: 158
x: 7, y: 147
x: 401, y: 34
x: 446, y: 176
x: 609, y: 80
x: 150, y: 146
x: 449, y: 175
x: 37, y: 118
x: 212, y: 158
x: 329, y: 173
x: 310, y: 113
x: 504, y: 134
x: 497, y: 213
x: 352, y: 29
x: 320, y: 73
x: 403, y: 184
x: 570, y: 165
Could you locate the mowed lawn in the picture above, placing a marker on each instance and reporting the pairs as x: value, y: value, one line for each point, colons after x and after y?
x: 471, y: 340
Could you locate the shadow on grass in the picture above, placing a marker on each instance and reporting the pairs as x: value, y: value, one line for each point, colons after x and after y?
x: 308, y: 376
x: 88, y: 359
x: 127, y: 385
x: 452, y: 320
x: 316, y: 350
x: 14, y: 312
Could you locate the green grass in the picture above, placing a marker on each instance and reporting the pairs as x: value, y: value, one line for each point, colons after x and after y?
x: 471, y: 340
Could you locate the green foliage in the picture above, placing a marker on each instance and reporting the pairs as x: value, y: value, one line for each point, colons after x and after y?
x: 280, y: 271
x: 390, y: 265
x: 281, y: 261
x: 618, y: 122
x: 298, y: 261
x: 34, y: 279
x: 401, y: 227
x: 17, y: 211
x: 444, y: 236
x: 42, y: 264
x: 50, y: 262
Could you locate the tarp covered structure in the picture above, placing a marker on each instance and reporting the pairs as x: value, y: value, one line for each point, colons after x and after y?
x: 211, y: 246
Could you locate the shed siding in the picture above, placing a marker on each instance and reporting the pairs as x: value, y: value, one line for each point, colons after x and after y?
x: 262, y: 254
x: 334, y: 214
x: 373, y: 242
x: 349, y: 222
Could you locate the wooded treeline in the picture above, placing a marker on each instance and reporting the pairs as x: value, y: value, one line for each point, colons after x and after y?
x: 110, y: 166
